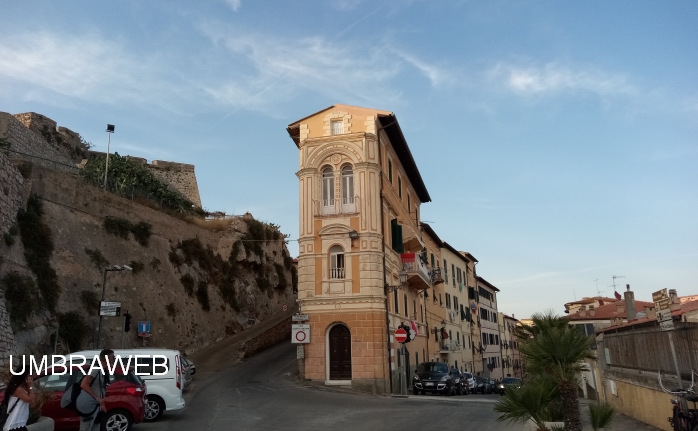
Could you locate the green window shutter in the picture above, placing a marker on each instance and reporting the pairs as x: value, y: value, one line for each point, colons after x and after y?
x: 396, y: 229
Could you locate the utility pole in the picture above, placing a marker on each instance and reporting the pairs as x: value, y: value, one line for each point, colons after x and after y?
x: 110, y: 130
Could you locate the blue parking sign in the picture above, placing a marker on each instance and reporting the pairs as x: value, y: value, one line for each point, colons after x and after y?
x: 144, y: 326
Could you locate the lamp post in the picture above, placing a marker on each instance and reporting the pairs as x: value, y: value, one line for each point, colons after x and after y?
x: 110, y: 130
x: 104, y: 286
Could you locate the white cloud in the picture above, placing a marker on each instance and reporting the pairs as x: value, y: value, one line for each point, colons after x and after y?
x: 234, y: 4
x: 554, y: 78
x: 437, y: 75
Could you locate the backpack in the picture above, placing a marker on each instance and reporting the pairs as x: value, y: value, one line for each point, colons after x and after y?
x: 4, y: 412
x: 72, y: 390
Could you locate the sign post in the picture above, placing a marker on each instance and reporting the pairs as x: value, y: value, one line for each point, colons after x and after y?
x: 400, y: 335
x: 300, y: 334
x: 666, y: 323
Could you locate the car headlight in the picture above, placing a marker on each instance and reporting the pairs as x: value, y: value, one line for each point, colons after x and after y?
x: 444, y: 378
x: 416, y: 378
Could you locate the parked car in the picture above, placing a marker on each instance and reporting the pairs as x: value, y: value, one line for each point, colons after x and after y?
x: 507, y: 382
x: 125, y: 400
x: 471, y: 381
x: 192, y: 367
x: 164, y: 391
x: 187, y: 374
x: 483, y: 385
x: 434, y: 377
x: 461, y: 382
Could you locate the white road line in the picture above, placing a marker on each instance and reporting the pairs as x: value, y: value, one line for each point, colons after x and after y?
x: 451, y: 399
x: 267, y: 388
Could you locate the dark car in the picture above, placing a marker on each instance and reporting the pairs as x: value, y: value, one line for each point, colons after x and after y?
x: 483, y: 385
x: 507, y: 382
x: 434, y: 377
x: 461, y: 382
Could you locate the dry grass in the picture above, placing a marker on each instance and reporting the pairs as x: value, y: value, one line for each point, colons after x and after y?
x: 214, y: 225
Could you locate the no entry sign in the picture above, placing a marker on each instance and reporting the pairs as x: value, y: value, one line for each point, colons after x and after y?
x: 400, y: 335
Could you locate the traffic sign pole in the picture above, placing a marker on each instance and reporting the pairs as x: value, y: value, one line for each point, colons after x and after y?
x: 662, y: 305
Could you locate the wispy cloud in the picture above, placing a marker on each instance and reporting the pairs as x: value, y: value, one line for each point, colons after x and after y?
x: 234, y: 4
x: 554, y: 78
x: 437, y: 75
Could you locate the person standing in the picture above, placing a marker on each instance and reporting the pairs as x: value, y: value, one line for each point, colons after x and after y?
x: 94, y: 387
x: 18, y: 394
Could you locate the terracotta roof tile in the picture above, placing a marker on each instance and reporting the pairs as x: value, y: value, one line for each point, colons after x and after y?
x: 609, y: 311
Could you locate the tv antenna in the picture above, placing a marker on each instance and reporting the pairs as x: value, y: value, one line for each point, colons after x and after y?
x: 614, y: 281
x: 598, y: 292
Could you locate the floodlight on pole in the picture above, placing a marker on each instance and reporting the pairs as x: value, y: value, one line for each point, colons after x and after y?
x: 110, y: 130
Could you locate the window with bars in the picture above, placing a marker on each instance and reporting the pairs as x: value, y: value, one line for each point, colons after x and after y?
x: 336, y: 262
x: 337, y: 127
x: 453, y: 274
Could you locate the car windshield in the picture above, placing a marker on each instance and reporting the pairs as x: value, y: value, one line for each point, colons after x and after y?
x: 433, y: 367
x: 468, y: 375
x: 510, y: 381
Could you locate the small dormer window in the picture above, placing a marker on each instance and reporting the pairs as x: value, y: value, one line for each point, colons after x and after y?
x: 337, y: 127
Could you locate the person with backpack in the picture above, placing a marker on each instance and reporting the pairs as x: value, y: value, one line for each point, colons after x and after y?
x: 18, y: 394
x: 90, y: 401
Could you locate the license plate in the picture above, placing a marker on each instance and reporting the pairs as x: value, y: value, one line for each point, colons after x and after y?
x: 428, y: 384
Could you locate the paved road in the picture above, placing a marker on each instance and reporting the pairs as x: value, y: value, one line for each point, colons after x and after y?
x: 260, y: 394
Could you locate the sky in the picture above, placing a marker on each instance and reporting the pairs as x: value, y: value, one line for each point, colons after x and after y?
x: 558, y: 140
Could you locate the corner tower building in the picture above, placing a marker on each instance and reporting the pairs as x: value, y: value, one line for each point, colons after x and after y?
x: 361, y: 267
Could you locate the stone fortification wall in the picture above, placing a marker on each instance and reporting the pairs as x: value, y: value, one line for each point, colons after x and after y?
x: 11, y: 182
x: 28, y: 144
x: 75, y: 213
x: 181, y: 176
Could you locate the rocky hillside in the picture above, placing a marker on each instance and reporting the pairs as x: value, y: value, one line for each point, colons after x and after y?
x: 196, y: 281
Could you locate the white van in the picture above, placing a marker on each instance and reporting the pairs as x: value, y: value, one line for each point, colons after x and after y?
x: 164, y: 392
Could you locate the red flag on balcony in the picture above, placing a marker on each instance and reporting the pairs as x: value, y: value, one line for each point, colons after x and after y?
x: 407, y: 257
x: 414, y: 328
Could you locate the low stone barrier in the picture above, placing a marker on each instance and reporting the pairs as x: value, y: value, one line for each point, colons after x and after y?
x: 272, y: 336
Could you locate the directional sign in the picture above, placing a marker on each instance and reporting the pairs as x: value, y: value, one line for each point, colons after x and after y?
x: 400, y: 335
x: 663, y: 315
x: 667, y: 325
x: 144, y: 328
x: 110, y: 309
x: 300, y: 318
x: 300, y: 334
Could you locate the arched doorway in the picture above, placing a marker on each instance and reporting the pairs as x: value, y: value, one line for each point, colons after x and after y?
x: 340, y: 353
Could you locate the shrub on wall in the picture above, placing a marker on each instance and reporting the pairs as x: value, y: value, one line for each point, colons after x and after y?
x: 155, y: 263
x: 21, y: 298
x: 38, y: 248
x: 188, y: 283
x: 136, y: 266
x: 9, y: 239
x: 121, y: 228
x: 90, y: 301
x: 100, y: 262
x: 202, y: 296
x: 171, y: 309
x: 141, y: 233
x: 73, y: 329
x: 283, y: 284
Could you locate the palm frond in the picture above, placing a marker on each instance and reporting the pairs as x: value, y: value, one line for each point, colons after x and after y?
x: 601, y: 415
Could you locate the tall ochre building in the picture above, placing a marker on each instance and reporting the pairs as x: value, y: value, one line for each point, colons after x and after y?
x: 363, y: 267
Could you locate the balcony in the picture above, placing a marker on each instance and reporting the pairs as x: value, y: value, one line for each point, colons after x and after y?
x: 449, y: 346
x: 343, y: 206
x: 418, y: 274
x: 436, y: 277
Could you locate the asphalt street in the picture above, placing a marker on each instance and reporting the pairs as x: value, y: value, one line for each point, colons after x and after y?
x: 262, y: 394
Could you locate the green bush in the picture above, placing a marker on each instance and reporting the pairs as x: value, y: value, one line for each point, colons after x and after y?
x: 188, y: 283
x: 90, y: 301
x: 136, y: 266
x: 141, y: 232
x: 21, y: 298
x: 254, y: 237
x: 117, y: 226
x: 73, y: 329
x: 175, y: 259
x: 98, y: 260
x: 202, y: 296
x: 38, y: 249
x: 227, y: 292
x: 283, y: 284
x: 155, y: 263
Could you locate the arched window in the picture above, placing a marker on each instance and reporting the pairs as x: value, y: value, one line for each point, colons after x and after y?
x: 347, y: 189
x: 336, y: 262
x: 327, y: 191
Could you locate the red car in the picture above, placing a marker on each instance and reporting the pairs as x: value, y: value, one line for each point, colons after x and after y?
x: 125, y: 401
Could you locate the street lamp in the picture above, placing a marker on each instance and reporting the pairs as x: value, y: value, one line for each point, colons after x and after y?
x: 403, y: 282
x: 110, y: 130
x: 115, y: 268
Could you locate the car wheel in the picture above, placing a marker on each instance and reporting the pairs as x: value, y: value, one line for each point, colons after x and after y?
x: 154, y: 408
x: 460, y: 391
x: 117, y: 420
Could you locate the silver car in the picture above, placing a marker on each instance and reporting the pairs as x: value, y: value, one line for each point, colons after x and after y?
x: 186, y: 375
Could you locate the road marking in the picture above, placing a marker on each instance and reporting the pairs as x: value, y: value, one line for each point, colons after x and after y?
x: 268, y: 388
x: 284, y: 367
x: 238, y: 390
x: 452, y: 399
x: 249, y: 387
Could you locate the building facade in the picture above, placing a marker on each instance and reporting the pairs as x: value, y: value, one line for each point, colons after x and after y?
x: 361, y: 266
x: 489, y: 329
x: 511, y: 359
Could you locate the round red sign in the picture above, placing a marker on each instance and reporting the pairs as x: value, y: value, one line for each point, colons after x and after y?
x: 400, y: 335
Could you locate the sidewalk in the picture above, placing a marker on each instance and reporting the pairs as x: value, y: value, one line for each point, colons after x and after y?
x: 621, y: 422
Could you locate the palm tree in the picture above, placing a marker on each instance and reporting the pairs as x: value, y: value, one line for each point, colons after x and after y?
x: 534, y: 401
x: 601, y: 415
x: 553, y: 347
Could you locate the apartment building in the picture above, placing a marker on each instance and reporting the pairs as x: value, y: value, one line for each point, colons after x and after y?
x: 472, y: 314
x: 361, y: 267
x: 489, y: 329
x: 435, y: 307
x: 511, y: 359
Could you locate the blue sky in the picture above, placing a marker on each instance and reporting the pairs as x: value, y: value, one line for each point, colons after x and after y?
x: 558, y: 140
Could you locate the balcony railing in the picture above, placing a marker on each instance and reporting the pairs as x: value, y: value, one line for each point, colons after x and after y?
x: 450, y: 346
x: 436, y: 277
x: 336, y: 273
x: 326, y: 207
x: 418, y: 273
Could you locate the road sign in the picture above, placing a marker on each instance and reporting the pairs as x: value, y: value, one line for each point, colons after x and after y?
x: 660, y: 295
x: 300, y: 334
x: 300, y: 352
x: 284, y: 307
x: 144, y: 328
x: 300, y: 318
x: 112, y: 309
x: 400, y: 335
x: 667, y: 325
x: 663, y: 315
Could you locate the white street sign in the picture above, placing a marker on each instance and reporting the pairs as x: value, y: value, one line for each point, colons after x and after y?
x: 110, y: 309
x: 667, y: 325
x: 300, y: 352
x: 300, y: 334
x: 663, y: 315
x: 300, y: 318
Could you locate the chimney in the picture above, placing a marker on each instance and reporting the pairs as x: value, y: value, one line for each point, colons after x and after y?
x: 650, y: 312
x: 630, y: 303
x: 619, y: 306
x: 583, y: 311
x: 674, y: 301
x: 592, y: 312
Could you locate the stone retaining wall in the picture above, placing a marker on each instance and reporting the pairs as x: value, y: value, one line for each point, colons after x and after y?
x: 276, y: 334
